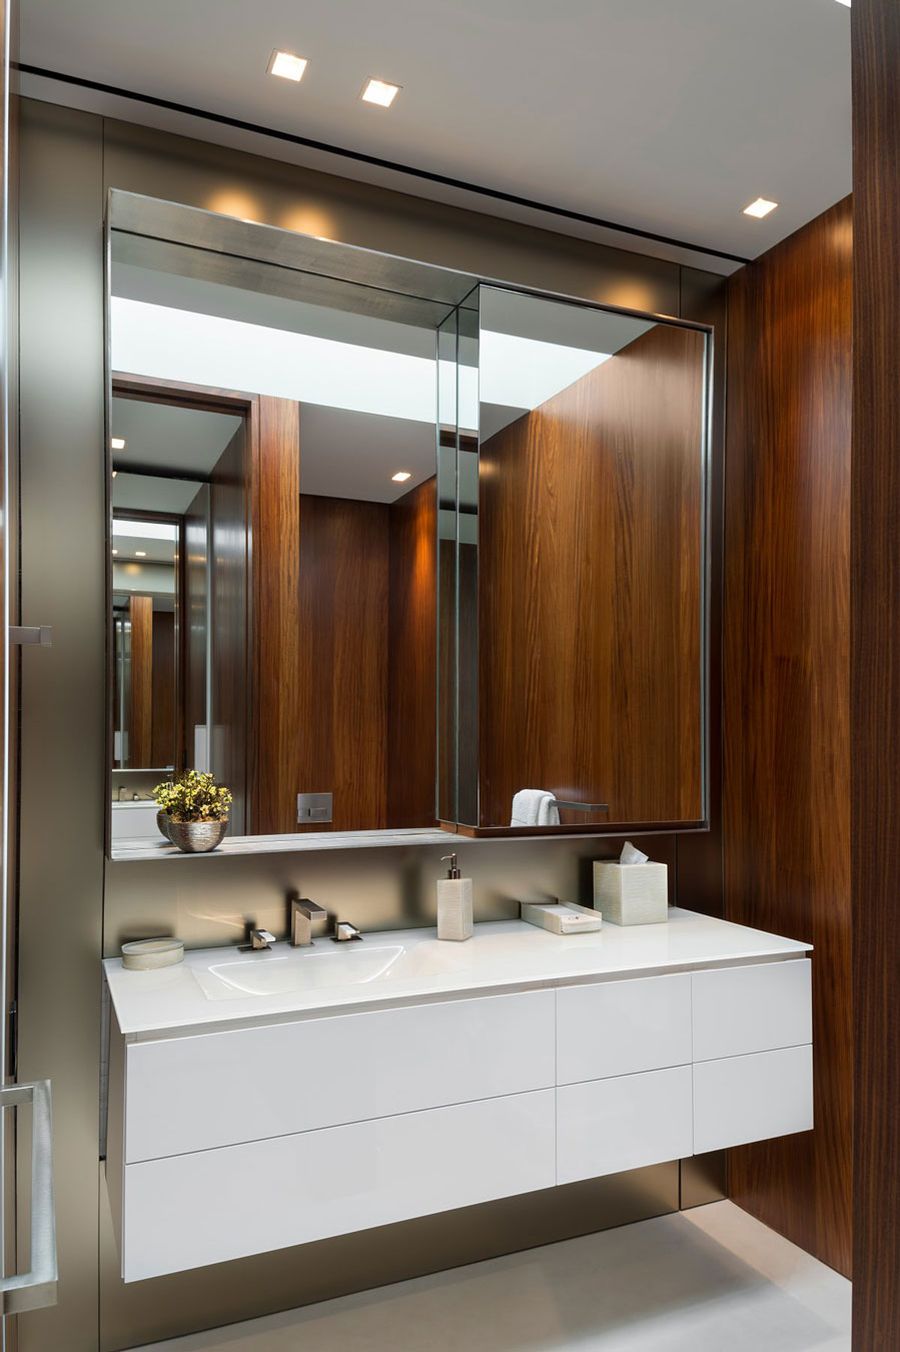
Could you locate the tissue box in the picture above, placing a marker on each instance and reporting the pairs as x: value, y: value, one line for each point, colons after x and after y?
x: 632, y: 894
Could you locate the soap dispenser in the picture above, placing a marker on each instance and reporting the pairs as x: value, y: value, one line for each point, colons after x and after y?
x: 454, y: 903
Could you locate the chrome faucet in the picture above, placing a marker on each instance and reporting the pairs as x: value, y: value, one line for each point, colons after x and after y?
x: 257, y: 940
x: 303, y: 913
x: 344, y: 931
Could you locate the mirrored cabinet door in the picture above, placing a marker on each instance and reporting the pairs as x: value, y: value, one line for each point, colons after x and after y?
x: 582, y: 563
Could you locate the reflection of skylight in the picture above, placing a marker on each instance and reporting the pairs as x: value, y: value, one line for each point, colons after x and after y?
x: 195, y: 349
x: 145, y: 530
x: 522, y: 372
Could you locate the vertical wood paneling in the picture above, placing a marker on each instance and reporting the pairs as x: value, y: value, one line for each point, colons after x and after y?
x: 341, y: 729
x: 141, y: 720
x: 590, y: 572
x: 412, y: 658
x: 786, y: 718
x: 275, y: 571
x: 876, y: 671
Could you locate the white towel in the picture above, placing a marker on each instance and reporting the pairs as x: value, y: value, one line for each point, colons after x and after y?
x: 534, y: 807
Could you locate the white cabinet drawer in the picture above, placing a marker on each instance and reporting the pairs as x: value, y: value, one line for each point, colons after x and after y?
x: 621, y: 1027
x: 216, y: 1089
x: 194, y: 1210
x: 752, y: 1009
x: 752, y: 1098
x: 606, y: 1126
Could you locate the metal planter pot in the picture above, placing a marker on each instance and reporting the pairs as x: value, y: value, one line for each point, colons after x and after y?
x: 196, y: 837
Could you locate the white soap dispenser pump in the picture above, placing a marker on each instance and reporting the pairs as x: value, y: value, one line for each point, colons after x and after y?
x: 454, y: 903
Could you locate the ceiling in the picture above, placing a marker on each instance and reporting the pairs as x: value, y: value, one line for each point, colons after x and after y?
x: 663, y: 115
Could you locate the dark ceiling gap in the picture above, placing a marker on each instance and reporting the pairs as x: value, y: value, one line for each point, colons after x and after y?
x: 427, y: 175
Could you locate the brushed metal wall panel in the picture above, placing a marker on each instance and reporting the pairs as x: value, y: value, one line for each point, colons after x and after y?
x: 63, y: 742
x: 207, y: 901
x: 70, y: 160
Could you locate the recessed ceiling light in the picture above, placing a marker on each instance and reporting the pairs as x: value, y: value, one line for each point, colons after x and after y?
x: 380, y: 92
x: 844, y: 2
x: 140, y: 553
x: 115, y: 472
x: 117, y: 443
x: 287, y: 66
x: 401, y: 476
x: 115, y: 551
x: 761, y: 207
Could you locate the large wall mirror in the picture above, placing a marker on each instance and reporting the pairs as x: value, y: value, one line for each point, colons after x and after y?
x: 389, y: 547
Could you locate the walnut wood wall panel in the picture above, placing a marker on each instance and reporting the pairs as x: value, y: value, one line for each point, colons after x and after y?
x: 276, y: 766
x: 876, y: 671
x: 589, y: 592
x: 141, y: 732
x: 786, y: 716
x: 341, y: 731
x: 227, y: 616
x: 412, y: 658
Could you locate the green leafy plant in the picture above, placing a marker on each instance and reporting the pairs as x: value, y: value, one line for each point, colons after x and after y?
x: 195, y: 797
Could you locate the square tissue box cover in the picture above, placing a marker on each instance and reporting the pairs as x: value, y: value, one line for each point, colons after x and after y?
x: 631, y: 894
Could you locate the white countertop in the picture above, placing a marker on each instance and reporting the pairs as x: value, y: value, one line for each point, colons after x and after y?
x: 408, y: 966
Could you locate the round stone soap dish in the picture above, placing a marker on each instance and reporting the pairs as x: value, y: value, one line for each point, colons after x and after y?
x: 146, y: 955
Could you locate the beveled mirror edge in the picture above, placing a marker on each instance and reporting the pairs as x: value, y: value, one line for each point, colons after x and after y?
x: 158, y: 218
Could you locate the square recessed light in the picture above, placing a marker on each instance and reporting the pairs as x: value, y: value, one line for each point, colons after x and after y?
x: 380, y: 92
x: 287, y: 66
x: 761, y: 207
x: 401, y: 476
x: 115, y: 551
x: 117, y: 443
x: 140, y: 553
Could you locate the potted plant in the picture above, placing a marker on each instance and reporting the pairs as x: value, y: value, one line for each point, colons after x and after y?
x: 193, y: 811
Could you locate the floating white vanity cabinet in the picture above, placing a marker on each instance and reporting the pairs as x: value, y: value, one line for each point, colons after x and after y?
x: 244, y: 1122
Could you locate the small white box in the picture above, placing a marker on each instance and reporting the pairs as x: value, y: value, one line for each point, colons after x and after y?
x: 631, y: 894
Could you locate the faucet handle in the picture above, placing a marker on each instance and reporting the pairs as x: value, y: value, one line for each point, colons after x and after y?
x: 344, y: 931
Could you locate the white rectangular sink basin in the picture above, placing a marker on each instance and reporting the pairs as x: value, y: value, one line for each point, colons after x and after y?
x: 275, y: 972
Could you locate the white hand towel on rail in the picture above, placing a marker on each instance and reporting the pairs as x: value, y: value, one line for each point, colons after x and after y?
x: 534, y: 807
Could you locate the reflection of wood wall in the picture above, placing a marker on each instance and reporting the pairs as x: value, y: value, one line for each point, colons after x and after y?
x: 343, y: 658
x: 141, y: 613
x: 274, y: 492
x: 366, y: 730
x: 590, y: 575
x: 787, y: 686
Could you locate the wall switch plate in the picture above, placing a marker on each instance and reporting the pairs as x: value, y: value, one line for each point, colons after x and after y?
x: 314, y: 807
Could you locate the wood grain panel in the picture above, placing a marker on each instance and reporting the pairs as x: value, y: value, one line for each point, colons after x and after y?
x: 786, y: 716
x: 230, y: 724
x: 276, y: 765
x: 412, y: 658
x: 141, y: 729
x: 341, y: 727
x: 876, y: 671
x: 590, y: 574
